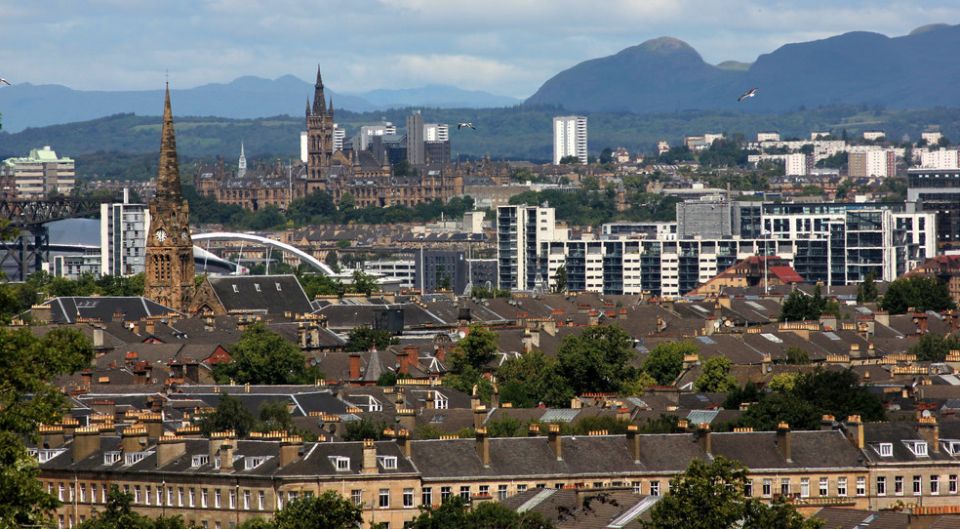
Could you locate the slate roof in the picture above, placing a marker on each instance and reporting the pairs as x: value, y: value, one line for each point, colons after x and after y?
x: 275, y: 294
x: 103, y: 308
x: 839, y: 518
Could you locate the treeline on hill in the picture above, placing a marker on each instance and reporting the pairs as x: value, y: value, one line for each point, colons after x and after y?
x: 522, y: 132
x: 317, y: 208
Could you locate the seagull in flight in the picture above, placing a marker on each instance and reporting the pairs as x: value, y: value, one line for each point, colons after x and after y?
x: 466, y: 125
x: 4, y: 81
x: 749, y: 93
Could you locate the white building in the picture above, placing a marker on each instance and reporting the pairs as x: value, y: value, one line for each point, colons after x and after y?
x: 520, y: 232
x: 798, y: 164
x: 711, y: 137
x: 303, y: 146
x: 932, y: 137
x: 37, y: 175
x: 816, y: 135
x: 767, y: 136
x: 368, y: 132
x: 874, y: 135
x: 663, y: 147
x: 569, y: 138
x: 436, y: 132
x: 939, y: 159
x: 872, y: 163
x: 123, y: 237
x: 402, y: 269
x: 339, y: 135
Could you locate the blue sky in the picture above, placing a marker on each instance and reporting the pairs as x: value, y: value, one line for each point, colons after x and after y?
x: 507, y: 47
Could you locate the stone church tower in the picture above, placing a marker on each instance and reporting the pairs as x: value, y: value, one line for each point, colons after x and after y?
x: 169, y: 255
x: 319, y: 137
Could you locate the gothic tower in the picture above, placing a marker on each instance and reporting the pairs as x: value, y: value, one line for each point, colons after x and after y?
x: 169, y: 257
x: 319, y: 134
x: 242, y: 163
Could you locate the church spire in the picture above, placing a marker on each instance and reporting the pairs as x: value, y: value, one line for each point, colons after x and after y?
x: 319, y: 101
x: 242, y: 163
x: 168, y: 171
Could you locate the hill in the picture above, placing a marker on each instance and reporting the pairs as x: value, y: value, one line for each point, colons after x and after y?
x: 665, y: 74
x: 521, y: 132
x: 26, y: 105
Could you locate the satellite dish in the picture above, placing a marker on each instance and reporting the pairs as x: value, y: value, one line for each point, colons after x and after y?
x: 925, y: 414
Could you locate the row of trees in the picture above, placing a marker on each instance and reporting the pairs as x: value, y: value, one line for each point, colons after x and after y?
x: 907, y: 293
x: 16, y: 298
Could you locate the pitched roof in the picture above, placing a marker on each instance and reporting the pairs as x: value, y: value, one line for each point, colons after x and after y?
x: 276, y: 294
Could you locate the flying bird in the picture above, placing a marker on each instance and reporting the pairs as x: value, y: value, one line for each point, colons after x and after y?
x: 466, y: 125
x: 4, y: 81
x: 749, y: 93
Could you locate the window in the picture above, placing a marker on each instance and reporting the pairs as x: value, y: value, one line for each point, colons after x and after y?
x: 356, y: 496
x: 83, y: 493
x: 521, y: 488
x: 748, y: 488
x: 444, y: 494
x: 292, y: 495
x: 147, y: 494
x: 485, y: 490
x: 407, y: 498
x: 236, y: 289
x: 881, y: 486
x: 384, y: 498
x: 804, y: 487
x: 767, y: 488
x: 180, y: 496
x: 952, y: 484
x: 861, y: 486
x: 246, y: 500
x: 93, y: 491
x: 558, y: 486
x: 637, y: 487
x: 340, y: 463
x: 502, y: 491
x: 278, y: 286
x: 919, y: 448
x: 159, y: 496
x: 885, y: 449
x: 203, y: 498
x: 199, y: 460
x: 654, y: 488
x: 256, y: 286
x: 465, y: 492
x: 233, y: 499
x: 170, y: 496
x: 426, y: 497
x: 192, y: 497
x: 217, y: 498
x: 388, y: 462
x: 917, y: 485
x: 110, y: 458
x: 934, y: 484
x: 785, y: 487
x: 261, y: 500
x: 898, y: 485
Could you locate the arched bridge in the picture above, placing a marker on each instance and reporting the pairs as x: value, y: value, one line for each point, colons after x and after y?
x: 231, y: 236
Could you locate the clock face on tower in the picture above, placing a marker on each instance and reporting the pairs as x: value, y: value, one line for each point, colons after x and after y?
x: 161, y: 235
x: 184, y: 235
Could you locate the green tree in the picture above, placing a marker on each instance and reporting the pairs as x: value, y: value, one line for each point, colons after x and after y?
x: 867, y: 291
x: 797, y: 356
x: 710, y: 495
x: 737, y: 396
x: 597, y: 359
x: 275, y: 417
x: 715, y: 376
x: 365, y: 428
x: 363, y: 283
x: 365, y: 338
x: 327, y: 511
x: 476, y: 349
x: 610, y: 423
x: 665, y: 361
x: 569, y: 160
x: 560, y: 280
x: 230, y: 414
x: 801, y: 307
x: 932, y: 347
x: 27, y: 399
x: 119, y: 515
x: 332, y: 261
x: 783, y: 382
x: 916, y: 292
x: 454, y: 513
x: 506, y: 427
x: 531, y: 379
x: 264, y: 357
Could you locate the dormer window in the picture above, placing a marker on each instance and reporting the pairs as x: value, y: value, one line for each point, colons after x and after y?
x: 884, y: 449
x: 134, y: 458
x: 951, y: 446
x: 256, y: 286
x: 199, y: 460
x: 278, y: 287
x: 340, y: 463
x: 388, y: 462
x: 250, y: 463
x: 440, y: 402
x: 919, y: 448
x: 46, y: 454
x: 236, y: 289
x: 110, y: 458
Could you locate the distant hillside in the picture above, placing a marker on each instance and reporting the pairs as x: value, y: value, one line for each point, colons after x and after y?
x: 26, y: 105
x: 503, y: 133
x: 919, y: 70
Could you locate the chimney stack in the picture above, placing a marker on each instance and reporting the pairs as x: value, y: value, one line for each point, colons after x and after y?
x: 826, y: 422
x: 406, y: 417
x: 369, y: 457
x: 855, y: 431
x: 633, y: 440
x: 703, y: 434
x: 479, y: 414
x: 218, y: 439
x: 133, y: 438
x: 226, y: 457
x: 533, y: 430
x: 153, y: 423
x: 553, y: 439
x: 86, y: 442
x: 290, y: 449
x: 483, y: 446
x: 52, y: 436
x: 929, y: 430
x: 784, y: 441
x: 169, y: 448
x: 403, y: 439
x: 354, y: 366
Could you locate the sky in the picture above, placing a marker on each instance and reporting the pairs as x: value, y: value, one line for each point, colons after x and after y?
x: 507, y: 47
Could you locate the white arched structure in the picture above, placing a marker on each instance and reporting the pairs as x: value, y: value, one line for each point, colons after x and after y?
x: 230, y: 236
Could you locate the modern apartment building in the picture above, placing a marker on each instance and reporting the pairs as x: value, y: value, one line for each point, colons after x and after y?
x: 367, y: 132
x: 937, y: 191
x: 339, y: 135
x: 123, y: 237
x: 798, y: 164
x: 415, y: 146
x: 436, y: 132
x: 939, y: 159
x: 875, y: 162
x: 37, y: 175
x: 520, y: 231
x: 569, y: 138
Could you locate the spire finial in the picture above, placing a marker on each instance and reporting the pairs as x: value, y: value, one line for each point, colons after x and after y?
x: 168, y: 172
